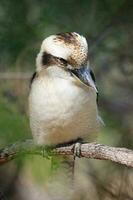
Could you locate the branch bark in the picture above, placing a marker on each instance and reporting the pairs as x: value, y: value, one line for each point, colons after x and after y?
x: 88, y: 150
x: 15, y: 75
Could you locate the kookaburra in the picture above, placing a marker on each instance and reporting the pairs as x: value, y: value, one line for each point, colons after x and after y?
x: 62, y: 100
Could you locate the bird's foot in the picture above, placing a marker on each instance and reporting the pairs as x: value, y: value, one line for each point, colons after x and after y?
x: 77, y: 150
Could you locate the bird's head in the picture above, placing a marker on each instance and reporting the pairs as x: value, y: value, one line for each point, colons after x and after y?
x: 68, y: 47
x: 66, y: 50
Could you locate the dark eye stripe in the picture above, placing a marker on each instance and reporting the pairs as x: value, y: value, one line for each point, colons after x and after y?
x: 46, y: 58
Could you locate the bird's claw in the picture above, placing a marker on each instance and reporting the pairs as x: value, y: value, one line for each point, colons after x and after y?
x: 77, y: 150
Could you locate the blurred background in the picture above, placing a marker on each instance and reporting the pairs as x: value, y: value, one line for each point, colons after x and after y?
x: 108, y: 27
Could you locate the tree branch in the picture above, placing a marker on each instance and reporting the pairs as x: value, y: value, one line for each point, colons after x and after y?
x: 88, y: 150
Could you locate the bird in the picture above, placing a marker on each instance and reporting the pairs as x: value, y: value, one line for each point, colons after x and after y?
x: 63, y: 94
x: 63, y: 103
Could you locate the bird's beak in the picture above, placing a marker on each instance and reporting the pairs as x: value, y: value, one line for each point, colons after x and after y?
x: 85, y: 77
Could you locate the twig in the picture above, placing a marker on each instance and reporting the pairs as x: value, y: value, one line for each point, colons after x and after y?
x: 15, y: 75
x: 88, y: 150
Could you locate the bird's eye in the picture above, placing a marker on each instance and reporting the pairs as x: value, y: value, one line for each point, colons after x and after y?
x: 63, y: 61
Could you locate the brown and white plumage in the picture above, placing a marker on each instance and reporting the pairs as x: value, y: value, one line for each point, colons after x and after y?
x: 62, y: 100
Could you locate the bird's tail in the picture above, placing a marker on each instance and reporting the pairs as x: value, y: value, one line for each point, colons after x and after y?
x: 61, y: 184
